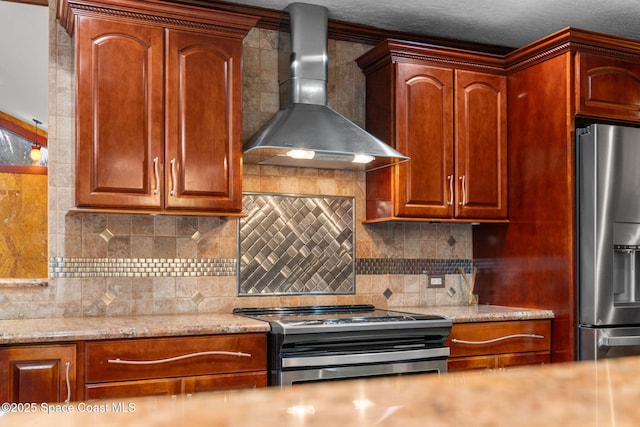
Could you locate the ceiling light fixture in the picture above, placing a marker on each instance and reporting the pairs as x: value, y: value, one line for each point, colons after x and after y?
x: 36, y: 153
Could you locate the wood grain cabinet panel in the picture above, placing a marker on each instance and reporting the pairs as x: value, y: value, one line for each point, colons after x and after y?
x: 480, y: 145
x: 152, y: 366
x: 203, y: 113
x: 424, y: 109
x: 608, y: 87
x: 451, y: 122
x: 159, y: 108
x: 119, y: 113
x: 499, y: 345
x: 38, y: 373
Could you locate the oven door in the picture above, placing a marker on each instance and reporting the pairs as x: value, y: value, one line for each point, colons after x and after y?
x: 301, y: 369
x: 601, y: 343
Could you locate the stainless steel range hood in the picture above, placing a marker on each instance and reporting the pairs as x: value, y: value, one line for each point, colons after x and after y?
x: 307, y: 132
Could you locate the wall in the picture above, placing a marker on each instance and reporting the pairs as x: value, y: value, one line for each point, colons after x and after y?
x: 23, y: 205
x: 149, y: 256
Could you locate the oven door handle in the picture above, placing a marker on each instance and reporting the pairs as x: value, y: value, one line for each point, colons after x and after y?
x: 628, y: 341
x: 360, y: 358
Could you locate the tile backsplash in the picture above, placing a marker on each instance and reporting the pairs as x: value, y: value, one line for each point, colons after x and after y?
x: 123, y: 264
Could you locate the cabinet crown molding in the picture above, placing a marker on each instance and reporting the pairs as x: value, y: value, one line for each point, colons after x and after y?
x: 394, y: 50
x: 572, y: 39
x: 160, y: 13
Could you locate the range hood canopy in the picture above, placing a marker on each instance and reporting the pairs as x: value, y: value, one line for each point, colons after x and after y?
x: 307, y: 132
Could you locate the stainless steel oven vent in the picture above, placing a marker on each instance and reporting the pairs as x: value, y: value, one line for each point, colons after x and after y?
x: 306, y: 132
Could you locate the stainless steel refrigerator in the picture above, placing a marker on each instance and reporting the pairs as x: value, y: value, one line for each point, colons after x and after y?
x: 608, y: 241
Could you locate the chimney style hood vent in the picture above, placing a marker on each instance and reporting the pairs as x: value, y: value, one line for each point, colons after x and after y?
x: 307, y: 132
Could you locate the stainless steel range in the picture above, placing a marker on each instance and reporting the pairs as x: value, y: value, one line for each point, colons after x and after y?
x: 321, y: 343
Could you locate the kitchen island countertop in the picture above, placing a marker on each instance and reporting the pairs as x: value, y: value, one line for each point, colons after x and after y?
x: 21, y: 331
x: 582, y: 394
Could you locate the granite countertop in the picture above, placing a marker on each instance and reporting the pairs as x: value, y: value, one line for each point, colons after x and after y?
x: 582, y: 394
x: 95, y: 328
x: 21, y: 331
x: 481, y: 313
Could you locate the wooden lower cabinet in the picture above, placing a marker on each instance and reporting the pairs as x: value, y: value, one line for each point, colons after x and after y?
x: 175, y: 386
x: 499, y: 345
x: 155, y: 387
x: 176, y: 365
x: 38, y: 373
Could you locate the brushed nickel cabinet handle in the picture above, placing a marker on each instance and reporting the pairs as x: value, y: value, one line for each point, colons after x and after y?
x: 450, y: 178
x: 494, y: 340
x: 67, y: 367
x: 156, y: 172
x: 173, y: 359
x: 173, y: 178
x: 463, y: 185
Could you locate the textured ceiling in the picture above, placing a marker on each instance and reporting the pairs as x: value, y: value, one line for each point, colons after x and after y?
x: 509, y: 23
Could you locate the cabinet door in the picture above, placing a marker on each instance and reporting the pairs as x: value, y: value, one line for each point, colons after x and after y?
x: 233, y: 381
x: 424, y: 132
x: 119, y: 126
x: 155, y: 387
x: 608, y: 87
x: 203, y: 102
x: 480, y: 145
x: 505, y: 361
x: 477, y: 363
x: 36, y: 374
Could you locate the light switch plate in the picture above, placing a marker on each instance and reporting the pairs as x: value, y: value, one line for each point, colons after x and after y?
x: 436, y: 281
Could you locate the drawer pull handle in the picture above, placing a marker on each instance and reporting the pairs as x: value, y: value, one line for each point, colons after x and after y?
x: 506, y: 337
x: 173, y: 359
x: 172, y: 191
x: 67, y: 367
x: 156, y: 175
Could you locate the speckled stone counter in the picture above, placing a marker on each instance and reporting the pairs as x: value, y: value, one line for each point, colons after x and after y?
x: 95, y: 328
x: 581, y: 394
x: 481, y: 313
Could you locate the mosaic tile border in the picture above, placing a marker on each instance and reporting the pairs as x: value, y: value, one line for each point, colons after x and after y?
x: 140, y: 267
x: 411, y: 266
x: 187, y: 267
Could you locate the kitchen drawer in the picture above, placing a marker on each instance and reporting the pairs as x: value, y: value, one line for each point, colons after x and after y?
x: 484, y: 338
x: 175, y: 386
x: 135, y: 359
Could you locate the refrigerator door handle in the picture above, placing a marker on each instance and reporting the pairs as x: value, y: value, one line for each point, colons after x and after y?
x: 619, y: 341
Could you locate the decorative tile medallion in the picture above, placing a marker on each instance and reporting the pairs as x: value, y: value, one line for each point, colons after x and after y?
x: 293, y: 244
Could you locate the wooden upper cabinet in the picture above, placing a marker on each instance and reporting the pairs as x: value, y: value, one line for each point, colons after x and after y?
x: 451, y: 122
x: 119, y: 122
x: 159, y: 108
x: 481, y: 145
x: 203, y: 133
x: 608, y: 87
x: 424, y: 132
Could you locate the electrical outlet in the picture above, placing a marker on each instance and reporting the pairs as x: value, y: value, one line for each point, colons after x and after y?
x: 436, y: 281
